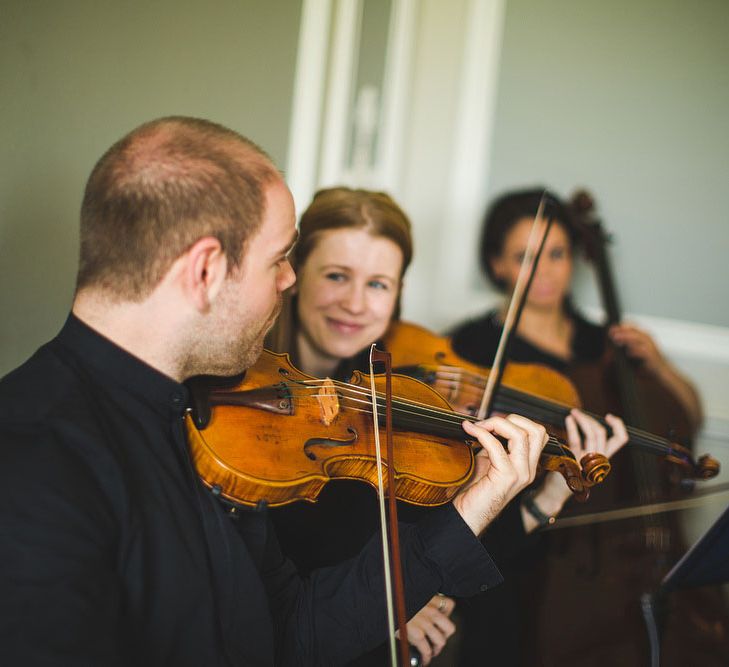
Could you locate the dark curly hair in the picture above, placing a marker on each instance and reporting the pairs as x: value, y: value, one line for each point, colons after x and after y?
x: 506, y: 211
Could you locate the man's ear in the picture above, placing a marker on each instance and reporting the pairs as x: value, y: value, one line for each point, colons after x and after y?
x: 204, y: 272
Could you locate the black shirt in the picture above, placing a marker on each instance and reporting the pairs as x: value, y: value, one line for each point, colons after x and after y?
x: 477, y: 340
x: 112, y: 552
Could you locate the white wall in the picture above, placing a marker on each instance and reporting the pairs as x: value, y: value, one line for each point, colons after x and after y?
x: 77, y: 75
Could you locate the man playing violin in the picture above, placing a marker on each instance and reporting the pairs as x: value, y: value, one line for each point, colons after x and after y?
x: 113, y: 552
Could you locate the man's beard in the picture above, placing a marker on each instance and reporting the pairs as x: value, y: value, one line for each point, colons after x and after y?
x: 227, y: 351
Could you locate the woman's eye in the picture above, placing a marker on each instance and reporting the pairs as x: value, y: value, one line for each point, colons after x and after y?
x: 558, y: 253
x: 335, y: 276
x: 379, y: 284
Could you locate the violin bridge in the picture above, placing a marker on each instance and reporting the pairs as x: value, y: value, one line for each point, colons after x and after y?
x: 328, y: 401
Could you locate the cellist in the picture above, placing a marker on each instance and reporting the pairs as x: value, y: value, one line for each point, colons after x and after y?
x: 552, y: 332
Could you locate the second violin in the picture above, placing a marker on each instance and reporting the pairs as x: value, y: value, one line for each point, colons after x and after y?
x: 533, y: 390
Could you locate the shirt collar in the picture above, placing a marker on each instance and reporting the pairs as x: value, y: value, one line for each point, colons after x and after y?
x: 114, y: 365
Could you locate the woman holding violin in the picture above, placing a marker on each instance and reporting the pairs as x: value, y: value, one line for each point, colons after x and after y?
x: 353, y: 250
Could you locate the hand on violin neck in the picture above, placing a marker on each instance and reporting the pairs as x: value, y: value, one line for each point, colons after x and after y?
x: 500, y: 473
x: 585, y: 434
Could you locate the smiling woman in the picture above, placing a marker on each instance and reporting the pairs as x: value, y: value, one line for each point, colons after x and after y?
x: 353, y: 250
x: 348, y: 290
x: 354, y: 247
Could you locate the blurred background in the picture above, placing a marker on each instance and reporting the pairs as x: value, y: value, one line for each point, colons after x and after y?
x: 442, y: 103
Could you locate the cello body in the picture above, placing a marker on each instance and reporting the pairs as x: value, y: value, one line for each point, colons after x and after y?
x: 614, y: 563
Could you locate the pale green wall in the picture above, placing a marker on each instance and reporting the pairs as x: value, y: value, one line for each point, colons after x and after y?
x: 75, y: 76
x: 630, y: 98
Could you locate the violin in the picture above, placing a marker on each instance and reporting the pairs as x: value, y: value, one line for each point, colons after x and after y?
x: 276, y: 435
x: 531, y: 390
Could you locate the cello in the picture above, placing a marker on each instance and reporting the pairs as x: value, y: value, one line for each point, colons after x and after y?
x: 617, y: 562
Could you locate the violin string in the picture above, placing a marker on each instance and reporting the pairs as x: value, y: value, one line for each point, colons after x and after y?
x: 405, y: 405
x: 477, y: 382
x: 402, y: 407
x: 455, y: 417
x: 351, y: 393
x: 353, y: 405
x: 458, y: 379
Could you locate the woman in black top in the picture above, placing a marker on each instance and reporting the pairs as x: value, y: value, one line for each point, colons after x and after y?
x: 551, y: 331
x: 353, y: 249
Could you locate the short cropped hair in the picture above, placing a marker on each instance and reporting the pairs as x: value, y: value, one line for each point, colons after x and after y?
x: 160, y: 189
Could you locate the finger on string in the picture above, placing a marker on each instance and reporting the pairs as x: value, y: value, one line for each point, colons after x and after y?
x: 574, y: 439
x: 492, y: 452
x: 502, y: 426
x: 619, y: 436
x: 537, y: 431
x: 492, y: 448
x: 594, y: 431
x: 536, y: 439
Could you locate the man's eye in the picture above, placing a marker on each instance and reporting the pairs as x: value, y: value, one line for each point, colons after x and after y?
x: 558, y: 253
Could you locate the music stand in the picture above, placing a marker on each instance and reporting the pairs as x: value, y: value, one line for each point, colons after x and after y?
x: 705, y: 563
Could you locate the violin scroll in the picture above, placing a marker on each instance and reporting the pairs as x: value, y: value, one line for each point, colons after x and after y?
x: 595, y: 467
x: 707, y: 467
x: 579, y: 477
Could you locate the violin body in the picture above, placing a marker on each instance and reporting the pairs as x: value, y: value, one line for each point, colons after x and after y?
x: 532, y: 390
x: 417, y: 350
x: 279, y: 436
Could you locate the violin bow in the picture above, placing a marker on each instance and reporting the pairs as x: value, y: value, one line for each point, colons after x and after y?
x: 714, y: 494
x: 535, y: 245
x: 393, y: 565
